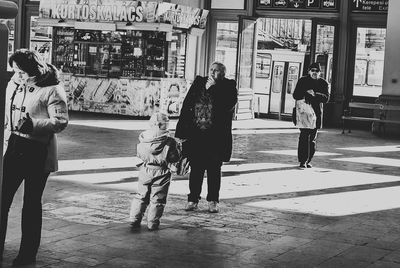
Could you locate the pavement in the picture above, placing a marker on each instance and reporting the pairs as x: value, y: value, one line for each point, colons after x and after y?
x: 343, y: 212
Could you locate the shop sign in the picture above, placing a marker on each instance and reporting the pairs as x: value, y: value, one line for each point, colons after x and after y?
x: 370, y: 5
x: 123, y: 11
x: 299, y: 4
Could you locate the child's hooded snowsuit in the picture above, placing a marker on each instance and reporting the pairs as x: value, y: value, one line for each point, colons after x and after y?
x: 157, y: 150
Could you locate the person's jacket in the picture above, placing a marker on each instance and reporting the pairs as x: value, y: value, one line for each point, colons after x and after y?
x: 157, y: 149
x: 224, y: 98
x: 46, y: 103
x: 320, y: 87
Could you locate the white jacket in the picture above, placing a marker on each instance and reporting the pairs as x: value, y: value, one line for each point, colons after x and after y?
x: 47, y: 106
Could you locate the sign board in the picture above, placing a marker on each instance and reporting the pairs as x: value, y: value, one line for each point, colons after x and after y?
x: 301, y: 5
x: 370, y: 5
x: 123, y: 11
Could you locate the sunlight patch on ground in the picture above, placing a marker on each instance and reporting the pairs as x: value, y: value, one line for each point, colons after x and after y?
x: 264, y: 131
x: 372, y: 160
x: 93, y: 178
x: 104, y: 163
x: 374, y: 149
x: 286, y: 181
x: 338, y: 204
x: 252, y: 167
x: 117, y: 124
x: 294, y: 152
x: 98, y: 163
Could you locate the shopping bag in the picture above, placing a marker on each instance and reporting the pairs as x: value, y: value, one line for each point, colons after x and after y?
x: 183, y: 167
x: 305, y: 115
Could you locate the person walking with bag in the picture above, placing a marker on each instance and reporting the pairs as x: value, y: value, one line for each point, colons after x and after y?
x: 36, y: 109
x: 310, y: 93
x: 159, y: 152
x: 205, y: 123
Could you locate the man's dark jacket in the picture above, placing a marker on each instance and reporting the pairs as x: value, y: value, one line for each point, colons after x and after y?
x: 224, y: 98
x: 320, y: 87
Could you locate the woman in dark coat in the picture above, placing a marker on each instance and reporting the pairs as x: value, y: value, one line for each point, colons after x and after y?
x: 205, y: 123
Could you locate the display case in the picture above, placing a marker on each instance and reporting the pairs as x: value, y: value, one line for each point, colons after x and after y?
x: 138, y: 54
x: 155, y: 54
x: 132, y: 54
x: 63, y: 49
x: 176, y: 54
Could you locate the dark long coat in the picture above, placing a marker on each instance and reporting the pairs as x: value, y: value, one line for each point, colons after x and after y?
x: 320, y: 87
x: 218, y: 140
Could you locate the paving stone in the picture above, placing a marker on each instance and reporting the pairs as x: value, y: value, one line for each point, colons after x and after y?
x: 393, y: 256
x: 343, y: 263
x: 384, y: 264
x: 326, y: 249
x: 363, y: 253
x: 299, y: 258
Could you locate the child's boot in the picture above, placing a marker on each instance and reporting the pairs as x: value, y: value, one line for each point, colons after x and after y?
x: 153, y: 216
x: 136, y: 213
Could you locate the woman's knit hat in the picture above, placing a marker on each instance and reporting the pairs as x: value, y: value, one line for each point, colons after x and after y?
x: 160, y: 120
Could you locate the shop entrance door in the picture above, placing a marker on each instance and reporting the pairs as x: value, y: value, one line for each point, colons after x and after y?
x: 245, y: 67
x: 284, y: 80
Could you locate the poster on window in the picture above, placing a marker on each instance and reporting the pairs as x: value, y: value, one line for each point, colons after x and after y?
x: 173, y: 93
x: 124, y: 96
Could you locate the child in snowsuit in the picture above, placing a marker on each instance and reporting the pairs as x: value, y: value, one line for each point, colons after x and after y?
x: 158, y: 151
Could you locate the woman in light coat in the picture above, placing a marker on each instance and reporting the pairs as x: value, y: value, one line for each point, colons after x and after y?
x: 36, y: 109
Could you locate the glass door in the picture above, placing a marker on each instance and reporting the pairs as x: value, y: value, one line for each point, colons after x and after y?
x: 284, y: 80
x: 245, y: 66
x: 293, y: 73
x: 324, y: 48
x: 278, y: 72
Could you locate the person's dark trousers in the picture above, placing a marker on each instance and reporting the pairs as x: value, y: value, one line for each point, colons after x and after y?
x: 24, y: 161
x: 197, y: 169
x: 307, y: 145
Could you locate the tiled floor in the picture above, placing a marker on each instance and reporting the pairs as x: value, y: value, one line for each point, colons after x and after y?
x: 337, y: 214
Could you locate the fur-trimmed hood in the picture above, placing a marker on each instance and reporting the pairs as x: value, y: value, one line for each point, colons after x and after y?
x: 50, y: 78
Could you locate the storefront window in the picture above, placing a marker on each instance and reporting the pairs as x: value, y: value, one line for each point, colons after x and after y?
x: 368, y: 70
x: 40, y: 39
x: 129, y: 53
x: 278, y: 34
x: 176, y: 54
x: 226, y: 47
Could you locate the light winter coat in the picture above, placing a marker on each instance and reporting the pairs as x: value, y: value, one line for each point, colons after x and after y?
x: 47, y: 106
x: 157, y: 150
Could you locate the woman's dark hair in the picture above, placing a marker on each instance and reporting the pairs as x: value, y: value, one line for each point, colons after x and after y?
x: 29, y: 61
x: 33, y: 64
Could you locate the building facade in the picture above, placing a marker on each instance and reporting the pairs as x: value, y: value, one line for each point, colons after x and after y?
x: 268, y: 44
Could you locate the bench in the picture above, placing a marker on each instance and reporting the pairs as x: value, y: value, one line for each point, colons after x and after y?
x: 381, y: 109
